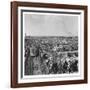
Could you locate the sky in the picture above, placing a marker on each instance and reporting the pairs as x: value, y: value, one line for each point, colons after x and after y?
x: 50, y: 25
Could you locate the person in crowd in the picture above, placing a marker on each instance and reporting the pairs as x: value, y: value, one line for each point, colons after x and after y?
x: 55, y: 68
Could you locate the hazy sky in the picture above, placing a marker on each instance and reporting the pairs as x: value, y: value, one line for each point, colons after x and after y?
x: 50, y: 25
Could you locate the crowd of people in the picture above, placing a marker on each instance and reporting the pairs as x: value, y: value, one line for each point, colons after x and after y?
x: 44, y: 55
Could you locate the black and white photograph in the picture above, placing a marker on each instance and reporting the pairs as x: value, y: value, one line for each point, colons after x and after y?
x: 51, y: 44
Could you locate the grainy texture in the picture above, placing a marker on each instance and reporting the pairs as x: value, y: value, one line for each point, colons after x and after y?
x: 51, y: 55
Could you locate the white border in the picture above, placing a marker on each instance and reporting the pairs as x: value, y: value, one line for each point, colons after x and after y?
x: 58, y: 77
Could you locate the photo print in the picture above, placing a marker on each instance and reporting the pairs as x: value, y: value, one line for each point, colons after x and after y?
x: 51, y: 44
